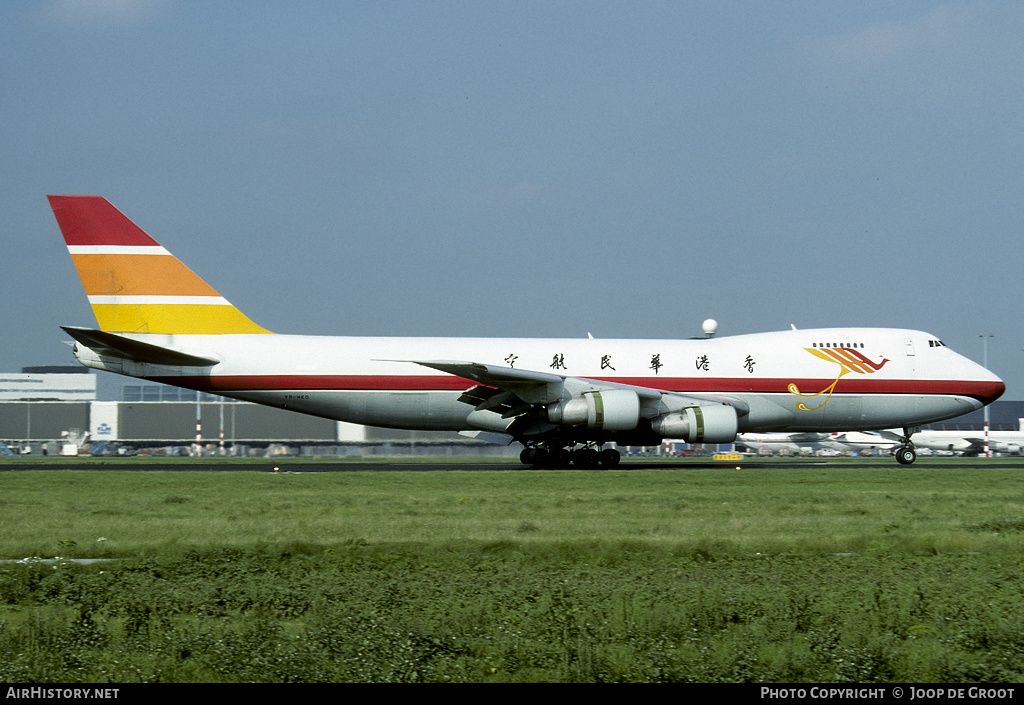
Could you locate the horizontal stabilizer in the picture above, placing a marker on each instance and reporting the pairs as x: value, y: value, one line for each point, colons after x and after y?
x: 114, y: 345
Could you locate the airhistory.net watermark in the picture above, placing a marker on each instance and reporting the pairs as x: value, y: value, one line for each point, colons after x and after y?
x: 51, y: 693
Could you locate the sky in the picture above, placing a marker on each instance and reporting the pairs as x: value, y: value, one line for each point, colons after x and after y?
x: 529, y: 169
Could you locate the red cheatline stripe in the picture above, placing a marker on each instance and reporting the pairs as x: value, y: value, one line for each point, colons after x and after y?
x: 848, y: 385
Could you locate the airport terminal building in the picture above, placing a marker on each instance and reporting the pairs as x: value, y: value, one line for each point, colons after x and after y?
x: 41, y: 408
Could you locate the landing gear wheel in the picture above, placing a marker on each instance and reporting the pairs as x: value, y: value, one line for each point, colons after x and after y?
x: 541, y: 457
x: 560, y: 458
x: 586, y: 458
x: 610, y: 457
x: 906, y: 456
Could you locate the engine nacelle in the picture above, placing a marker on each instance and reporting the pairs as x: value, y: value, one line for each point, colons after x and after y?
x: 1002, y: 447
x: 609, y: 410
x: 699, y: 424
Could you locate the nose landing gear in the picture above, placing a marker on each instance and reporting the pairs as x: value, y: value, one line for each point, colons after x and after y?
x: 906, y: 454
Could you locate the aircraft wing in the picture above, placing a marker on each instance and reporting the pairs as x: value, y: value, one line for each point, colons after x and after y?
x: 806, y: 437
x: 976, y: 445
x: 530, y: 387
x: 505, y: 386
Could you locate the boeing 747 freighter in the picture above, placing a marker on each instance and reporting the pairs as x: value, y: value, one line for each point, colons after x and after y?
x: 563, y: 399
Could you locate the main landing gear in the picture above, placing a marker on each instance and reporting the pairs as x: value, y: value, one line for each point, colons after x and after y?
x: 587, y: 457
x: 906, y: 454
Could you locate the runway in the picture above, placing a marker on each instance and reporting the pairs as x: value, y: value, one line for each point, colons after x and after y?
x: 429, y: 465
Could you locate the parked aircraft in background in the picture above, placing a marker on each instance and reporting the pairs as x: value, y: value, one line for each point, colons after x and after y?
x: 794, y: 443
x: 967, y: 442
x: 868, y: 440
x: 960, y: 442
x: 784, y: 443
x: 563, y: 399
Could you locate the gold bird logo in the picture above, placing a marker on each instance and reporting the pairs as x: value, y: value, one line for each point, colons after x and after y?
x: 849, y: 360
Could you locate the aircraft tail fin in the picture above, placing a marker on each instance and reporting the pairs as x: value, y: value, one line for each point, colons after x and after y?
x: 134, y: 285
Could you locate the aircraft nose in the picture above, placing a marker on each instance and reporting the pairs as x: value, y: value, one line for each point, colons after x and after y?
x: 992, y: 390
x: 978, y: 383
x: 988, y: 386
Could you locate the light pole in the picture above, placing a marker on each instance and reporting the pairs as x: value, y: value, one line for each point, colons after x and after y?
x: 199, y: 426
x: 984, y: 361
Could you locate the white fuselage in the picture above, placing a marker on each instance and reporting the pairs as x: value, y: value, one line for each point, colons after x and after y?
x: 791, y: 380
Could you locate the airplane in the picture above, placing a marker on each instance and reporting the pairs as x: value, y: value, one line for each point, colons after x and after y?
x: 812, y: 442
x: 565, y: 400
x: 784, y: 443
x: 869, y: 440
x: 969, y: 443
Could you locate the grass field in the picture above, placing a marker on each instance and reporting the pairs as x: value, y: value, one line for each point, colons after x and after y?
x: 812, y: 573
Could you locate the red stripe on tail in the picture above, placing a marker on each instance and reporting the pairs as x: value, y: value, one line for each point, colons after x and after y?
x: 91, y: 220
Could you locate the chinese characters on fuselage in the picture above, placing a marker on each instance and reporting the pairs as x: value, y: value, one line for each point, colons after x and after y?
x: 702, y: 363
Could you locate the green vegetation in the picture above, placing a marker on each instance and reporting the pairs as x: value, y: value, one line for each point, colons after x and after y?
x: 776, y: 574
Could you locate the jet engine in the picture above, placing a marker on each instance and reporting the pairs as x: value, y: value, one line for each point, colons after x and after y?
x: 609, y: 410
x: 1001, y: 447
x: 699, y: 424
